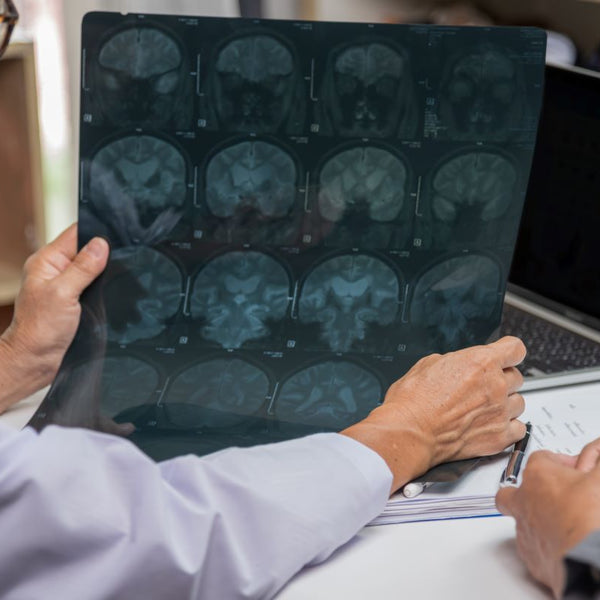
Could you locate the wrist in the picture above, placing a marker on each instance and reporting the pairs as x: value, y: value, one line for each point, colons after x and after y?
x: 21, y: 373
x: 404, y: 449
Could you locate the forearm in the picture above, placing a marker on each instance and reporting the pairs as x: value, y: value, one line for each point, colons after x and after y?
x: 20, y: 375
x: 405, y: 450
x: 237, y: 524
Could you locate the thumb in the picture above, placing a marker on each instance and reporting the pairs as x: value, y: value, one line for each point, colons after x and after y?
x: 505, y: 499
x: 85, y: 267
x: 589, y: 457
x: 566, y: 460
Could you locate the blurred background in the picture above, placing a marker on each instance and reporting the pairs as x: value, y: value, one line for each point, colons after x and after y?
x: 50, y: 29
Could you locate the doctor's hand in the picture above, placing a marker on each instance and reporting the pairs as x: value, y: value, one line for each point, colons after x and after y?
x: 47, y: 313
x: 556, y: 507
x: 450, y: 407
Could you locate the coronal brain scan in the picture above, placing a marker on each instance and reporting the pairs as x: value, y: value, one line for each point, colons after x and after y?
x: 346, y: 295
x: 331, y: 395
x: 368, y: 92
x: 216, y: 393
x: 142, y: 79
x: 469, y: 190
x: 455, y: 298
x: 127, y: 382
x: 237, y: 296
x: 138, y: 186
x: 367, y: 181
x: 251, y: 176
x: 142, y: 291
x: 297, y: 211
x: 482, y: 95
x: 257, y: 87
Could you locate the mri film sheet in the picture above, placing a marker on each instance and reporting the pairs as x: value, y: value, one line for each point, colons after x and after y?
x: 297, y: 213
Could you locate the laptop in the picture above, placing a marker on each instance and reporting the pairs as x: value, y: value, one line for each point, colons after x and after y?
x: 553, y: 299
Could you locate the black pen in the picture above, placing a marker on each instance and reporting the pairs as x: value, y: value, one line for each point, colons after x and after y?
x: 511, y: 473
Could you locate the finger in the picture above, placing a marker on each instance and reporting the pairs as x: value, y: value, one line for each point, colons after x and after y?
x: 65, y: 244
x: 107, y: 425
x: 514, y: 379
x: 505, y: 500
x: 516, y: 405
x: 567, y: 460
x: 516, y: 431
x: 589, y: 457
x: 510, y: 351
x: 547, y: 461
x: 84, y: 268
x: 56, y: 256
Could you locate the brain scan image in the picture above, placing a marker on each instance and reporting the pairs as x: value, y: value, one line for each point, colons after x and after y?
x: 137, y: 189
x: 330, y: 395
x: 90, y: 392
x: 251, y: 188
x: 216, y: 393
x: 470, y: 192
x: 360, y: 188
x: 347, y: 295
x: 238, y: 295
x: 127, y: 382
x: 368, y: 92
x: 141, y: 79
x: 142, y: 291
x: 456, y: 300
x: 482, y: 96
x: 257, y: 86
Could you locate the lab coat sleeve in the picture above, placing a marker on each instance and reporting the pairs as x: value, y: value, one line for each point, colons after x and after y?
x: 87, y: 515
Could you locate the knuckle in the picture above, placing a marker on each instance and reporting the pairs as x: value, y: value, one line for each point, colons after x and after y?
x: 500, y: 428
x: 520, y: 344
x: 59, y: 293
x: 473, y: 363
x: 428, y: 360
x: 83, y: 265
x: 472, y: 377
x: 481, y: 359
x: 30, y: 263
x: 499, y: 388
x: 520, y: 400
x: 488, y: 360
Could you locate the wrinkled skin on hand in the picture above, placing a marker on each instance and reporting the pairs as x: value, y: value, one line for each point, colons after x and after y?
x: 556, y: 507
x: 47, y: 313
x: 448, y: 407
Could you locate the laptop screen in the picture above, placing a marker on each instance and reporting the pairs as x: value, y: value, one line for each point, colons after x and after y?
x: 557, y: 258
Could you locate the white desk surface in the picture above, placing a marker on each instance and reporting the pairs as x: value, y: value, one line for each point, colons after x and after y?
x: 462, y: 559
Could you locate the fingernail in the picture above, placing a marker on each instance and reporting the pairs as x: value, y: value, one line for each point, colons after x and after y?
x: 96, y: 247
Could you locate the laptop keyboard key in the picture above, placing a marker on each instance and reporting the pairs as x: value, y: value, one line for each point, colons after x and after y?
x: 550, y: 348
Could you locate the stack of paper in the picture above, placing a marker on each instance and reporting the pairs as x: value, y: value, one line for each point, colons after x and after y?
x: 471, y: 496
x: 564, y: 420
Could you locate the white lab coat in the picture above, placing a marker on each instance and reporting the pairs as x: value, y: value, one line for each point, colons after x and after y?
x: 85, y: 515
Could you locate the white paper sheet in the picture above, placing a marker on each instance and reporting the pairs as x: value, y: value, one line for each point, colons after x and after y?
x: 564, y: 420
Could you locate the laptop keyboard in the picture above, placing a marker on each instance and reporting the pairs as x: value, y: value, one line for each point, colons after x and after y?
x: 550, y: 348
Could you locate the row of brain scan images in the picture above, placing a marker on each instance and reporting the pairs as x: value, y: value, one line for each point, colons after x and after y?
x: 140, y: 187
x: 141, y: 75
x: 225, y: 392
x: 246, y: 298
